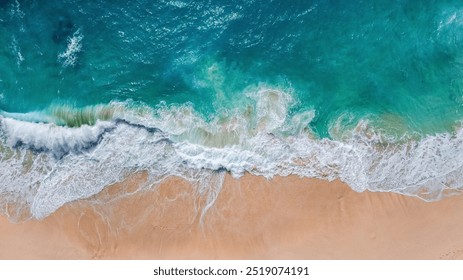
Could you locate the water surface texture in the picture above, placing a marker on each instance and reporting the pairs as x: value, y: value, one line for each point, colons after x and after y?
x: 368, y: 92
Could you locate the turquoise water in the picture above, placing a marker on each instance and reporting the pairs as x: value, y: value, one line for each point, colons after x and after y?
x: 369, y: 92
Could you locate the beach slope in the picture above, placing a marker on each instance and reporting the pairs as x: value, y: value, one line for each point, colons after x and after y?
x: 252, y: 218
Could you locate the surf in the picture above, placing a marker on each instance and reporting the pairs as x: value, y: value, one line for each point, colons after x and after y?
x: 48, y: 165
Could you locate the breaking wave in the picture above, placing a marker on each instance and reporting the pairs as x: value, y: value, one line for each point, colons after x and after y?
x: 63, y: 154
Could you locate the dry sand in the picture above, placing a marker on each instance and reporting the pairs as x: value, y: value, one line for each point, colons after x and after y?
x: 253, y: 218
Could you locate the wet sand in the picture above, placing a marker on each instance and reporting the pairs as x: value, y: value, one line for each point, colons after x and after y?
x: 253, y: 218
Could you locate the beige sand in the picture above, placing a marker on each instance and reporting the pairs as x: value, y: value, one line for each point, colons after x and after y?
x: 284, y: 218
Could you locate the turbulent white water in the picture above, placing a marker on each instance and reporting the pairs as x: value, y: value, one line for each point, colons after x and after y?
x: 45, y: 165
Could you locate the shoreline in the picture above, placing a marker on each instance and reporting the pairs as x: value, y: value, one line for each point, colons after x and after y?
x: 252, y: 218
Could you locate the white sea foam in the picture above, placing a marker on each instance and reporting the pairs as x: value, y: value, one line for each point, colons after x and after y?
x: 15, y: 10
x: 178, y: 4
x: 74, y: 46
x: 73, y: 163
x: 51, y: 138
x: 17, y: 51
x: 450, y: 17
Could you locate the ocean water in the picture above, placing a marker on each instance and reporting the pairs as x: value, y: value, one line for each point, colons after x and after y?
x: 368, y: 92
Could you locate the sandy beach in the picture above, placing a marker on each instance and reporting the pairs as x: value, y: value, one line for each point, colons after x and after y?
x: 253, y: 218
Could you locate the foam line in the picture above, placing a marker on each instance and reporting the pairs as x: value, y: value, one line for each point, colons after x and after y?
x: 47, y: 165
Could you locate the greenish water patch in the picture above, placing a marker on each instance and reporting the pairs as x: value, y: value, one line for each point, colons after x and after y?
x: 75, y: 117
